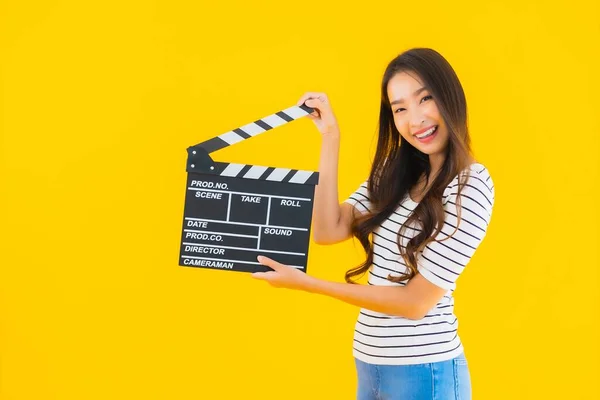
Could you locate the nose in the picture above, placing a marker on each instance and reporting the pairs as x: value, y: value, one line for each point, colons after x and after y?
x: 417, y: 120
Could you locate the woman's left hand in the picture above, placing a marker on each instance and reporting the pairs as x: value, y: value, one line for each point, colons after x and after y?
x: 282, y: 276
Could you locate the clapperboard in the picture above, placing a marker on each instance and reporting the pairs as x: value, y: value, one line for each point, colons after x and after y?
x: 235, y: 212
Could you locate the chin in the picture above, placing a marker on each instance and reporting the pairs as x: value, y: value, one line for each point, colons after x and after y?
x: 435, y: 147
x: 429, y: 150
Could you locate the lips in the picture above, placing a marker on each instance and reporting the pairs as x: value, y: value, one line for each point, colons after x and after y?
x: 427, y: 134
x: 420, y: 133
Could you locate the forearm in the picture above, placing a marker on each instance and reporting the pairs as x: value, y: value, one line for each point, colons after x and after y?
x: 326, y: 213
x: 392, y: 300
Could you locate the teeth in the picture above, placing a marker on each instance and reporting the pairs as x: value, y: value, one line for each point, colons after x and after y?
x: 427, y: 133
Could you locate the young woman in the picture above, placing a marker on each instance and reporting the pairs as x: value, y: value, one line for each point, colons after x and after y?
x: 420, y: 215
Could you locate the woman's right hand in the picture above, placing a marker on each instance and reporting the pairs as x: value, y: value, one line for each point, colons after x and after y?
x: 323, y: 116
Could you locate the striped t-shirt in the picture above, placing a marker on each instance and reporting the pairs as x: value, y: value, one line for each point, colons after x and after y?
x: 388, y: 339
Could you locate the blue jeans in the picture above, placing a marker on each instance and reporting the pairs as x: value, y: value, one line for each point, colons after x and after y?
x: 443, y: 380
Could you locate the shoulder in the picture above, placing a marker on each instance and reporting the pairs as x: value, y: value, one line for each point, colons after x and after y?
x: 477, y: 184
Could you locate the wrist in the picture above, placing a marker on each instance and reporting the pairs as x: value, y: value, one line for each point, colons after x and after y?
x: 331, y: 136
x: 311, y: 284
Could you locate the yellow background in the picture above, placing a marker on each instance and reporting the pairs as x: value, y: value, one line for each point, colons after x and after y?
x: 100, y: 101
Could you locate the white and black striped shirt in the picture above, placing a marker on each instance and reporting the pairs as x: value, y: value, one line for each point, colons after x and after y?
x: 387, y: 339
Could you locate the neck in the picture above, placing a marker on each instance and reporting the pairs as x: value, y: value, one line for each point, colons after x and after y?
x: 436, y: 161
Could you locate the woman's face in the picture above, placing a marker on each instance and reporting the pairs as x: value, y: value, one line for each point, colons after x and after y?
x: 416, y: 115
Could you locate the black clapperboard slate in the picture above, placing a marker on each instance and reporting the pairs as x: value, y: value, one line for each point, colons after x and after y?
x: 235, y: 212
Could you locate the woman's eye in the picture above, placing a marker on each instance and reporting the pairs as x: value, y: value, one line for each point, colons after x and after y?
x: 400, y: 109
x: 428, y: 97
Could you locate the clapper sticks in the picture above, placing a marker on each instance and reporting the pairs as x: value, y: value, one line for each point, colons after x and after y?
x: 235, y: 212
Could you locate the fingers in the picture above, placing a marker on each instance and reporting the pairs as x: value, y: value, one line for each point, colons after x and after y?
x: 308, y: 95
x: 315, y: 103
x: 316, y: 106
x: 268, y: 262
x: 312, y: 95
x: 265, y: 276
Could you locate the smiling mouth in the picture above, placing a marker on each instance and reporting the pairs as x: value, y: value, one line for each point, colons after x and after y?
x: 430, y: 132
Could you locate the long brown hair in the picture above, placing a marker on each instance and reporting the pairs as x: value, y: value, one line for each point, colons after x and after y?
x: 398, y: 165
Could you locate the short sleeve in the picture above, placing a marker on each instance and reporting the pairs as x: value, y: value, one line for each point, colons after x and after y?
x: 360, y: 198
x: 442, y: 262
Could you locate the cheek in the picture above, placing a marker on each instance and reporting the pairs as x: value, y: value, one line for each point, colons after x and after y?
x: 401, y: 124
x: 432, y: 111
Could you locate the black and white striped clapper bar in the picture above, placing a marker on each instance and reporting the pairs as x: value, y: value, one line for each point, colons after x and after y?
x: 235, y: 212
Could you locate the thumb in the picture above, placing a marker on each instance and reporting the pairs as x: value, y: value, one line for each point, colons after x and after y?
x: 316, y: 105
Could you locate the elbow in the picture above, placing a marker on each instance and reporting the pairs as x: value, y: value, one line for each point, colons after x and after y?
x: 414, y: 313
x: 416, y: 316
x: 319, y: 240
x: 322, y: 239
x: 318, y: 237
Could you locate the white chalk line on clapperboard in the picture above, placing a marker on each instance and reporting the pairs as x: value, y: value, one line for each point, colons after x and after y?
x: 236, y: 170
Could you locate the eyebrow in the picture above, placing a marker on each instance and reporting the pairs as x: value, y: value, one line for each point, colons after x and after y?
x: 415, y: 94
